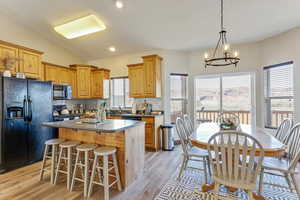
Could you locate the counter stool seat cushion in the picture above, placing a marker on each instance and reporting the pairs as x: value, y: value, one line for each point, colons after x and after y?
x: 54, y: 141
x: 102, y: 151
x: 86, y: 147
x: 69, y: 144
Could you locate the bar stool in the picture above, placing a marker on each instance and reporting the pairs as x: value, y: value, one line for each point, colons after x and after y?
x: 105, y: 152
x: 82, y: 161
x: 48, y: 154
x: 67, y: 149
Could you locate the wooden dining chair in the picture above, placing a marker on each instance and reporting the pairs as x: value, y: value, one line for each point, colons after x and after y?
x: 188, y: 124
x: 190, y: 153
x: 234, y: 161
x: 285, y: 167
x: 283, y: 130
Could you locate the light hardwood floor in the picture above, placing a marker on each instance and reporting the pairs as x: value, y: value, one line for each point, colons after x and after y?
x: 24, y: 184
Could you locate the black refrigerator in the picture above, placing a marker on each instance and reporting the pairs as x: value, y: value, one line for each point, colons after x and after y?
x: 24, y: 105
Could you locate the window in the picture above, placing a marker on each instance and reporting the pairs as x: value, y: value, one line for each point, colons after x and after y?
x: 227, y: 93
x: 279, y: 93
x: 178, y: 84
x: 120, y: 92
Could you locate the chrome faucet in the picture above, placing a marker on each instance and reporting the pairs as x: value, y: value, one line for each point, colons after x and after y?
x: 120, y: 109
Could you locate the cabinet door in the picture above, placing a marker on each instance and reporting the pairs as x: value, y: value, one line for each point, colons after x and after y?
x: 149, y: 135
x: 73, y: 83
x: 149, y: 78
x: 97, y: 84
x: 65, y: 76
x: 7, y: 52
x: 30, y: 63
x: 51, y: 74
x: 136, y: 81
x: 83, y: 76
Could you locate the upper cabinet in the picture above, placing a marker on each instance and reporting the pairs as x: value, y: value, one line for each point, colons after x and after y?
x: 8, y: 53
x: 30, y: 63
x: 58, y: 74
x: 136, y: 80
x: 145, y: 78
x: 92, y: 82
x: 100, y: 83
x: 20, y: 59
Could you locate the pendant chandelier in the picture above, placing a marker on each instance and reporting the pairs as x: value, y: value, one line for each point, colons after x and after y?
x: 222, y: 55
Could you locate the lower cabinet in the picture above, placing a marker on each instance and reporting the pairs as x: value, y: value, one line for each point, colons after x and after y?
x: 153, y: 132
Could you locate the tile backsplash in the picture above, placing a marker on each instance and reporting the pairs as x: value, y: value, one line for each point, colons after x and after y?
x: 92, y: 104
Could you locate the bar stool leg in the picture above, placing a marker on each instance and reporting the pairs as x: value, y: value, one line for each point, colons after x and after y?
x: 117, y: 171
x: 86, y: 173
x: 74, y: 172
x: 44, y: 161
x: 105, y: 174
x: 69, y: 170
x: 53, y: 162
x: 58, y: 165
x: 93, y: 176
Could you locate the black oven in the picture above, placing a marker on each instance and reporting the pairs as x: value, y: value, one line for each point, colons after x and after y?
x: 62, y: 92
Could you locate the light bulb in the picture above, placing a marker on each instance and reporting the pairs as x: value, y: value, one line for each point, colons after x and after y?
x: 206, y: 55
x: 226, y: 47
x: 119, y: 4
x: 236, y: 54
x: 112, y: 49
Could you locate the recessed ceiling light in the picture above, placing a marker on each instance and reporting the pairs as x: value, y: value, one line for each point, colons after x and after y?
x: 79, y: 27
x: 112, y: 49
x: 119, y: 4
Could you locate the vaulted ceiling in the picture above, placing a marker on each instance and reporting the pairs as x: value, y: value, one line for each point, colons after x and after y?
x: 155, y: 24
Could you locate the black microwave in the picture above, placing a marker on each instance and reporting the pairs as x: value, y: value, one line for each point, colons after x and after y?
x: 62, y: 92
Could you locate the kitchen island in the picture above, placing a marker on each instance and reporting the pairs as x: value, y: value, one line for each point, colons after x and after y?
x: 128, y: 136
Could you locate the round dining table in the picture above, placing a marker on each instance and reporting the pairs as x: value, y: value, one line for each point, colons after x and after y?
x: 271, y: 146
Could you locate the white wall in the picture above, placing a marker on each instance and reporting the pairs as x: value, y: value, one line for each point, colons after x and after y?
x: 173, y: 61
x: 282, y: 48
x: 13, y: 32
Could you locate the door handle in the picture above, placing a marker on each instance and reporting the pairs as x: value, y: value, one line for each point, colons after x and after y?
x: 29, y: 109
x: 25, y: 109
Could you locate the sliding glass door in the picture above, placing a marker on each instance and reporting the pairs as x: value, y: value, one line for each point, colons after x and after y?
x: 230, y: 93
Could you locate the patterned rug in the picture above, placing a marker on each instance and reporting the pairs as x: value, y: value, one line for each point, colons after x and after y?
x: 189, y: 189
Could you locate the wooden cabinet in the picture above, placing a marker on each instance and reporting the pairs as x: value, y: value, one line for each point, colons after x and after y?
x: 83, y: 77
x: 99, y: 83
x: 114, y: 117
x: 152, y: 132
x: 152, y: 76
x: 30, y: 63
x: 136, y: 80
x: 145, y: 78
x: 51, y: 73
x: 91, y: 82
x: 9, y: 54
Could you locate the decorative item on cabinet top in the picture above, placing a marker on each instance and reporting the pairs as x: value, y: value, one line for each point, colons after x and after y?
x: 29, y: 60
x: 145, y: 78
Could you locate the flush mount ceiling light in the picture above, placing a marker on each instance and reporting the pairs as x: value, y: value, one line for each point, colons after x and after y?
x: 79, y: 27
x: 222, y: 56
x: 112, y: 49
x: 119, y: 4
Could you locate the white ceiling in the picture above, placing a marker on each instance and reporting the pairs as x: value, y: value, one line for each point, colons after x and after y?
x: 156, y: 24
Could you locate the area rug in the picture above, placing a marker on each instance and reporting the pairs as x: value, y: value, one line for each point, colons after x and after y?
x: 188, y: 188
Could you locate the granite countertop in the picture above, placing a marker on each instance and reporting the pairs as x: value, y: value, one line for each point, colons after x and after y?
x: 108, y: 126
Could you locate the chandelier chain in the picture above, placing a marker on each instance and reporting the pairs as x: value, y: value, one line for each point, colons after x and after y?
x: 222, y: 16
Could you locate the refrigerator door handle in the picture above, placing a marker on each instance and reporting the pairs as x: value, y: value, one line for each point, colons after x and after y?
x: 25, y: 109
x: 29, y: 109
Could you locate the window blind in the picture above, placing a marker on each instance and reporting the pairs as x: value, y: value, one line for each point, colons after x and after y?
x: 279, y: 93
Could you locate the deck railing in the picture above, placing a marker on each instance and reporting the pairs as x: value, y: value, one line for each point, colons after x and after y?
x: 243, y: 115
